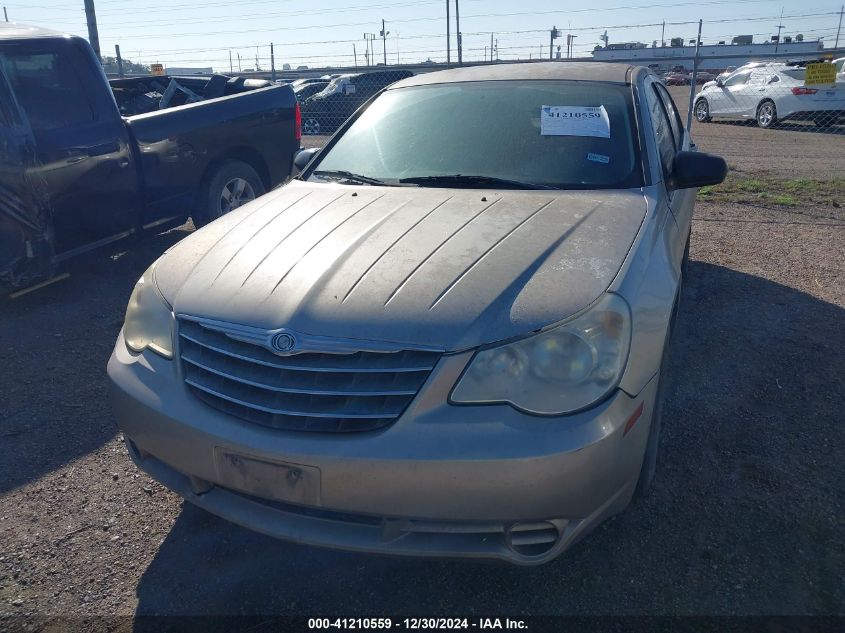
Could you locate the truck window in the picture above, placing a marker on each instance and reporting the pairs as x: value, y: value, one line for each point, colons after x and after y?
x: 47, y: 89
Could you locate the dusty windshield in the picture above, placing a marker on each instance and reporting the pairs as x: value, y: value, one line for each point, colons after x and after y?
x: 571, y: 135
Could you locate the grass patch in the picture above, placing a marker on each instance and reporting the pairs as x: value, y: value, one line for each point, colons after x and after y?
x: 777, y: 191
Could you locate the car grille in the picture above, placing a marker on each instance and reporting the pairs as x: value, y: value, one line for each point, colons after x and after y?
x: 359, y: 391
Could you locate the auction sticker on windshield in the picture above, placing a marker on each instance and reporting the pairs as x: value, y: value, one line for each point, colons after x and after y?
x: 574, y: 121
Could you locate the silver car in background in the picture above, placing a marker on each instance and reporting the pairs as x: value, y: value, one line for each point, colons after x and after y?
x: 447, y: 337
x: 769, y: 93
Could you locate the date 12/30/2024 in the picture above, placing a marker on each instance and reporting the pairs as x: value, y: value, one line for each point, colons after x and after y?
x: 413, y: 624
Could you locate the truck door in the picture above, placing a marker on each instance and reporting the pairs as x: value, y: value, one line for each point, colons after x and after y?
x: 22, y: 221
x: 82, y: 150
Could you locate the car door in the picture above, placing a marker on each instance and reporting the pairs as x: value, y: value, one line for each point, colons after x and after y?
x: 723, y: 101
x: 678, y: 201
x: 748, y: 95
x: 681, y: 200
x: 82, y: 151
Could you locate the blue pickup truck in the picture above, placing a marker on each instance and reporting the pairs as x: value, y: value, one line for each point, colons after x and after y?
x: 85, y: 161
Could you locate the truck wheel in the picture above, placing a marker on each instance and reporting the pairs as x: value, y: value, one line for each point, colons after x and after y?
x: 231, y: 185
x: 702, y: 111
x: 767, y: 114
x: 310, y: 126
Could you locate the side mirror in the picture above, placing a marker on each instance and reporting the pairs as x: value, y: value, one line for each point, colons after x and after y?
x: 720, y: 83
x: 304, y: 156
x: 697, y: 169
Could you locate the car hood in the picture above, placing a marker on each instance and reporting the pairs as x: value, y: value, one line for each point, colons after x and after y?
x: 445, y: 268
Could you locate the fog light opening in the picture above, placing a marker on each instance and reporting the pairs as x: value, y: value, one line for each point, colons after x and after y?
x: 532, y: 539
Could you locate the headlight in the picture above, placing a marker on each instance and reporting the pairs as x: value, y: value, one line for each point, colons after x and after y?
x: 149, y: 320
x: 558, y: 371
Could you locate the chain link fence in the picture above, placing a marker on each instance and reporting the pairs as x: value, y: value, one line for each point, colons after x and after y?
x: 772, y: 92
x: 327, y: 102
x: 769, y: 94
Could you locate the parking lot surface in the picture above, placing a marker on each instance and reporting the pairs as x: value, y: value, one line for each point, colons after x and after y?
x: 745, y: 517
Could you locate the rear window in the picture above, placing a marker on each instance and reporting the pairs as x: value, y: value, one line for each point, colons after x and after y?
x: 495, y: 129
x: 794, y: 73
x: 47, y: 89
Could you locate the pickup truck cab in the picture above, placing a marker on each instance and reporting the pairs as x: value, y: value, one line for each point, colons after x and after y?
x: 75, y: 173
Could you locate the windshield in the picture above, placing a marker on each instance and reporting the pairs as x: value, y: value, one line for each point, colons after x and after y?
x: 504, y: 130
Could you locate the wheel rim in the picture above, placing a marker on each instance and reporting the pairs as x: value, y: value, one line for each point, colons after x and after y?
x: 235, y: 193
x: 701, y: 110
x: 766, y: 115
x: 311, y: 126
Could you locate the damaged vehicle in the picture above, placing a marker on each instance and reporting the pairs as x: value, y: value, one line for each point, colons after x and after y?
x: 85, y: 163
x: 447, y: 337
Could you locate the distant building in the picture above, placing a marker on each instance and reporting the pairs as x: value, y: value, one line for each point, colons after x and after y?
x: 711, y: 55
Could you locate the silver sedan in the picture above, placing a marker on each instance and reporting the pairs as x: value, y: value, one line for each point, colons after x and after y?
x: 446, y: 337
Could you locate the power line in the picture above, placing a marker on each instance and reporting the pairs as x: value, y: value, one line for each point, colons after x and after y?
x: 428, y: 19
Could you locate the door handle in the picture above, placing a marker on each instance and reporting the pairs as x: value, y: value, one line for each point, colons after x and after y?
x: 123, y: 163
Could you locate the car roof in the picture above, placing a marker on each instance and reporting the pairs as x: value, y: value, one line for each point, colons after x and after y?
x: 15, y: 31
x: 573, y: 71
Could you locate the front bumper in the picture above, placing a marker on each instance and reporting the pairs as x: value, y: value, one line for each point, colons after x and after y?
x: 444, y: 480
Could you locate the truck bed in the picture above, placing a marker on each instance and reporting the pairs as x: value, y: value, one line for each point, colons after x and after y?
x: 140, y: 95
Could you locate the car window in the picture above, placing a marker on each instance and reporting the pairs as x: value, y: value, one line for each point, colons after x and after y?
x: 47, y: 89
x: 738, y: 79
x: 674, y: 117
x: 758, y: 78
x: 795, y: 73
x: 662, y: 131
x: 493, y: 129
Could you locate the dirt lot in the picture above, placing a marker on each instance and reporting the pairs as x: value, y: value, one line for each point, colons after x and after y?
x: 746, y: 516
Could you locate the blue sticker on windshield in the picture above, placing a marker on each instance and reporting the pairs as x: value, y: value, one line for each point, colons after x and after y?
x: 598, y: 158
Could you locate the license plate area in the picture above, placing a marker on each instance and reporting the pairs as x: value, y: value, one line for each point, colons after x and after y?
x: 280, y: 481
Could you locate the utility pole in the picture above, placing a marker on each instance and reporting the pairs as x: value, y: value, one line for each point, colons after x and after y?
x: 272, y: 63
x: 491, y: 47
x: 448, y: 36
x: 458, y: 31
x: 119, y: 60
x: 663, y: 35
x: 397, y: 47
x: 239, y: 63
x: 692, y: 80
x: 355, y: 54
x: 231, y: 68
x: 384, y: 35
x: 6, y: 15
x: 552, y: 37
x: 838, y: 28
x: 91, y: 17
x: 780, y: 26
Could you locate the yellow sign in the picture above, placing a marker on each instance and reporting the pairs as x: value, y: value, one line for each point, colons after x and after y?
x: 820, y: 73
x: 158, y: 69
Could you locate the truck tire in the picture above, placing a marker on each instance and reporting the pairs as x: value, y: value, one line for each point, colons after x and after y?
x: 231, y: 184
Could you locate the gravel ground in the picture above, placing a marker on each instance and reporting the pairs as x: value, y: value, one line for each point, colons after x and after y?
x: 746, y: 515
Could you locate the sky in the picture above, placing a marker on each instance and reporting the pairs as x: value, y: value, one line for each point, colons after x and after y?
x: 331, y: 32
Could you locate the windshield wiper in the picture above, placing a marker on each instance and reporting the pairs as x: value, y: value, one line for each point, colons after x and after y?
x: 348, y: 175
x: 457, y: 180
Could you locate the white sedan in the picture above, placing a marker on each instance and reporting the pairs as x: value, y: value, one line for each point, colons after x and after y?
x: 769, y: 94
